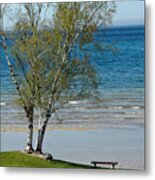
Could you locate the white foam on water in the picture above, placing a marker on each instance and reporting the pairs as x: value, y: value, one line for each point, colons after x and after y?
x: 115, y: 107
x: 135, y: 107
x: 78, y: 102
x: 2, y: 103
x: 74, y: 102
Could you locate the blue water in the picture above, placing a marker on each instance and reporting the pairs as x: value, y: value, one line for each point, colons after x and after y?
x: 121, y: 81
x: 124, y: 69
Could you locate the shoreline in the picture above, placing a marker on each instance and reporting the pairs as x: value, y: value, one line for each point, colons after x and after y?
x: 75, y: 127
x: 24, y: 129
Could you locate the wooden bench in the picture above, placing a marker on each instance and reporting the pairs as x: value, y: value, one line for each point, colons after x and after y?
x: 106, y: 163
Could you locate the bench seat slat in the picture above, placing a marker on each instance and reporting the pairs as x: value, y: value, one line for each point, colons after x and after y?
x: 97, y: 162
x: 101, y: 162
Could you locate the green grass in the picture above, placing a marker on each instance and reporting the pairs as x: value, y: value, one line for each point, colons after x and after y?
x: 19, y: 159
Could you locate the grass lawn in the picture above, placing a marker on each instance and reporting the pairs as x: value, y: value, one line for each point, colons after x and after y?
x: 19, y: 159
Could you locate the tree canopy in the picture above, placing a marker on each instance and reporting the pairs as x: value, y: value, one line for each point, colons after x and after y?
x: 50, y: 59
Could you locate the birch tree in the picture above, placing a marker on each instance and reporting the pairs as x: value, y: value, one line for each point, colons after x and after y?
x: 22, y: 59
x: 51, y: 71
x: 27, y: 107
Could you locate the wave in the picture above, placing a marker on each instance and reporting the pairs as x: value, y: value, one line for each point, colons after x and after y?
x: 2, y: 103
x: 74, y: 102
x: 77, y: 102
x: 135, y: 107
x: 115, y: 107
x: 125, y: 107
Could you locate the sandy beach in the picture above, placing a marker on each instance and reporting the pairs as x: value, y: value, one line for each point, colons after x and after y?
x: 121, y: 143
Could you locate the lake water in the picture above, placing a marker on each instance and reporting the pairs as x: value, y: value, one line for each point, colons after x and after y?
x: 118, y: 120
x: 121, y: 84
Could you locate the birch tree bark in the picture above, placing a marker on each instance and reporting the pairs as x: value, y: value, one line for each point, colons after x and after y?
x: 28, y: 111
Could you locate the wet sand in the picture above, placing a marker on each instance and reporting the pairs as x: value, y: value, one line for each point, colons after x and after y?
x: 124, y: 144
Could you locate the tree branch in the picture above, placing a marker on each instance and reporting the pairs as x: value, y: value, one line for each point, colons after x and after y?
x: 13, y: 74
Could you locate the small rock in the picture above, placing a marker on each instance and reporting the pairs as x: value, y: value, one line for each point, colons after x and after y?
x: 48, y: 156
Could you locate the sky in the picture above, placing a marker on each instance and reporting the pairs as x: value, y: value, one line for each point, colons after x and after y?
x: 129, y: 12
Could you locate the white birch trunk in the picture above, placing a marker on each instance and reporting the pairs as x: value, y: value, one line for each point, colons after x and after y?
x: 44, y: 121
x: 29, y: 113
x: 41, y: 134
x: 29, y: 145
